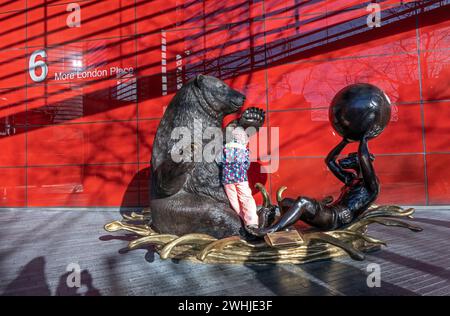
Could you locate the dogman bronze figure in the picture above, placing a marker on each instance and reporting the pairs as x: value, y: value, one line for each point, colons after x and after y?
x: 358, y: 113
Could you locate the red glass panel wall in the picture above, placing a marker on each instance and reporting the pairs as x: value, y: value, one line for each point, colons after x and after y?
x: 83, y: 85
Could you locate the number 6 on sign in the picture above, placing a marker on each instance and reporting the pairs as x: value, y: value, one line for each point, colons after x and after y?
x: 35, y: 64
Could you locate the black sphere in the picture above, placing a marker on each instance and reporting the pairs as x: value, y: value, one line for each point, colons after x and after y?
x: 360, y: 110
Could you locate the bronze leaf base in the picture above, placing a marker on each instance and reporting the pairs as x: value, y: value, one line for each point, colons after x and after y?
x: 351, y: 240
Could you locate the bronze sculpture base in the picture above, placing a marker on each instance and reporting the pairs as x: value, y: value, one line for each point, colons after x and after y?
x: 352, y: 240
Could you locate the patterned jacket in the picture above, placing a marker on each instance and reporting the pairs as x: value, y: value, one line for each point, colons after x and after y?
x: 236, y: 162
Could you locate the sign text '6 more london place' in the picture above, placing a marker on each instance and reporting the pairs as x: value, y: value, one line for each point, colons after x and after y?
x: 94, y: 73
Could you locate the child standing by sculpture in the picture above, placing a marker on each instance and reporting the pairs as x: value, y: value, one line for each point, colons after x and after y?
x: 236, y: 162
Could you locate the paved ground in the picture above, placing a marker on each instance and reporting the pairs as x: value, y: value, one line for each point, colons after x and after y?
x: 37, y: 245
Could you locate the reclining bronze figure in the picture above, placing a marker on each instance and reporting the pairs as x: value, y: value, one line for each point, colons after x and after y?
x: 358, y: 113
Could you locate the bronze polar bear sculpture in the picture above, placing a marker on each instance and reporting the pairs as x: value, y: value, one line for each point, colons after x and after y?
x: 187, y: 196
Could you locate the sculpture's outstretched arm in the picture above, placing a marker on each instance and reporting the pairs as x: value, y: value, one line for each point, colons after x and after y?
x: 367, y: 170
x: 251, y: 120
x: 343, y: 175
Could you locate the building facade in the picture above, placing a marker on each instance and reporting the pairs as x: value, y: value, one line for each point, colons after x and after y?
x: 85, y: 83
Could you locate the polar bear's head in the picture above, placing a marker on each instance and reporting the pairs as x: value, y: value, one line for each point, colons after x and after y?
x: 218, y: 95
